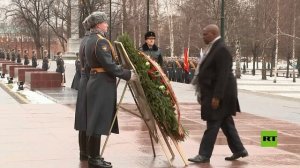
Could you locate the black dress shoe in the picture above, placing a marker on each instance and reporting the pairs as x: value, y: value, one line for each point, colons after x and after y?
x: 98, y: 163
x: 199, y: 159
x: 105, y: 161
x: 235, y: 156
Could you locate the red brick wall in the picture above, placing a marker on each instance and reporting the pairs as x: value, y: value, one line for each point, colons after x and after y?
x: 21, y: 72
x: 43, y: 79
x: 12, y: 69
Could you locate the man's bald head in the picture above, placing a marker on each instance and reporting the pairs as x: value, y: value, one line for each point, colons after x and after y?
x: 210, y: 32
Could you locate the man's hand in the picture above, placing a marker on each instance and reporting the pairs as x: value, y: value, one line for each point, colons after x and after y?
x: 134, y: 76
x: 215, y: 103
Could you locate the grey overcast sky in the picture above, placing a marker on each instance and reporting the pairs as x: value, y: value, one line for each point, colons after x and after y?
x: 4, y: 2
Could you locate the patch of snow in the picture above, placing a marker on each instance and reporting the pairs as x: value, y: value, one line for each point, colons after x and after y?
x: 31, y: 96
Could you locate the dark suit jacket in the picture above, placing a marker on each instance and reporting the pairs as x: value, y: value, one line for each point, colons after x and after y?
x: 216, y: 79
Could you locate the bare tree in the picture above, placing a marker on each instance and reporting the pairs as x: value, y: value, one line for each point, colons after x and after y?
x: 32, y: 14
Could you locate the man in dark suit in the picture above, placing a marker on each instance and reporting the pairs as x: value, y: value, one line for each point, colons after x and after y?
x: 217, y: 94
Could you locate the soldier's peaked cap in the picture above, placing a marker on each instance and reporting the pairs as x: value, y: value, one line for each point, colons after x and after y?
x: 149, y: 34
x: 96, y: 17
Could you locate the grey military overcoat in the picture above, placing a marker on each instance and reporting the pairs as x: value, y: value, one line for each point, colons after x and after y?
x: 101, y: 87
x: 81, y: 105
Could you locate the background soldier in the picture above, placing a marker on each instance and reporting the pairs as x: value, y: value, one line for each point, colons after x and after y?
x: 13, y: 55
x: 7, y: 55
x: 101, y: 88
x: 19, y: 56
x: 26, y: 59
x: 34, y: 59
x: 2, y: 55
x: 76, y: 79
x: 60, y: 66
x: 151, y: 49
x: 45, y: 65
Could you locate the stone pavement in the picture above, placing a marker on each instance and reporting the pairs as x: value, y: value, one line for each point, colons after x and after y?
x: 35, y: 136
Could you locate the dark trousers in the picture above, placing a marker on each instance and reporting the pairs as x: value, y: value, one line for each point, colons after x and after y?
x: 82, y: 139
x: 94, y: 143
x: 211, y: 132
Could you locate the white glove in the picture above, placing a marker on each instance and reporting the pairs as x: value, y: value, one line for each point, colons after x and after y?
x: 134, y: 76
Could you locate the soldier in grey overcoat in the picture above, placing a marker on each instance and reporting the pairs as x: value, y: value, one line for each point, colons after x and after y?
x: 2, y: 55
x: 60, y: 67
x: 7, y: 55
x: 13, y: 55
x: 26, y: 59
x: 34, y: 59
x: 45, y: 63
x: 81, y: 104
x: 19, y: 56
x: 101, y: 86
x: 77, y: 75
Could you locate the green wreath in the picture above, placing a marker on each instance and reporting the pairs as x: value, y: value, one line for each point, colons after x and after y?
x: 158, y: 98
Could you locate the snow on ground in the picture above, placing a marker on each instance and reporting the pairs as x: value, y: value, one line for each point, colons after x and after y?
x: 31, y: 96
x: 185, y: 92
x: 283, y: 86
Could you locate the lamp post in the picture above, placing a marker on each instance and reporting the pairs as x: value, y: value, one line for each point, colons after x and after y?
x: 148, y: 15
x: 110, y: 20
x: 222, y: 19
x: 48, y: 29
x: 21, y: 43
x: 42, y: 48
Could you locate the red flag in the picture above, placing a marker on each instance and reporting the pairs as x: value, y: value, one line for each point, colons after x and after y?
x: 186, y: 60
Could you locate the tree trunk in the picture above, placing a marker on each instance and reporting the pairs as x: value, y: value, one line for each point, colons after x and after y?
x: 139, y: 30
x: 68, y: 19
x: 237, y: 59
x: 156, y: 23
x: 294, y: 34
x: 135, y: 25
x: 272, y: 59
x: 125, y: 17
x: 287, y: 66
x: 277, y: 41
x: 253, y: 67
x: 263, y: 69
x: 298, y: 66
x: 170, y: 18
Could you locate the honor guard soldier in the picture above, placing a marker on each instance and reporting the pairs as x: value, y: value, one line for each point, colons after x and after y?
x: 19, y: 56
x: 151, y: 49
x: 34, y: 59
x: 60, y: 67
x: 8, y: 55
x: 26, y: 59
x: 45, y: 65
x: 13, y: 55
x: 2, y: 55
x: 81, y: 103
x: 101, y: 87
x: 76, y: 79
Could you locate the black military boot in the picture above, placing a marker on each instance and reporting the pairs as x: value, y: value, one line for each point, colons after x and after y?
x: 82, y: 146
x: 95, y: 161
